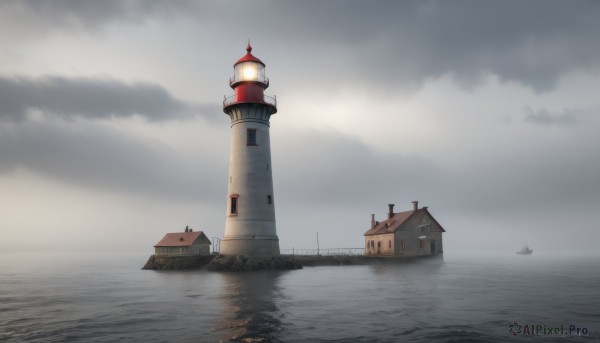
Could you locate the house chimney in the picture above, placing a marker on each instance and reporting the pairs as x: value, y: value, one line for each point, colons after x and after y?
x: 415, y: 205
x: 372, y: 220
x: 391, y: 213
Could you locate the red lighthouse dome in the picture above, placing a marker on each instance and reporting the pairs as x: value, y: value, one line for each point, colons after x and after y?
x: 249, y: 57
x: 249, y: 82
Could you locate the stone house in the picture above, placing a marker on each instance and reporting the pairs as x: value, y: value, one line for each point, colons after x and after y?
x: 409, y: 233
x: 188, y: 242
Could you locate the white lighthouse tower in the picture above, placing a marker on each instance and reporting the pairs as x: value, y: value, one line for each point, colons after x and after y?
x: 250, y: 223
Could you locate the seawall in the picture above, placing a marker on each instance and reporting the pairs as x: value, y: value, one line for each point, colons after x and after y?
x: 177, y: 262
x: 238, y: 263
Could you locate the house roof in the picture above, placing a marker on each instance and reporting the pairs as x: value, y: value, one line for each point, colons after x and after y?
x: 392, y: 224
x: 183, y: 239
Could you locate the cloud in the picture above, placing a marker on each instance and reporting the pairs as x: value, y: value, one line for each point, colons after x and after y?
x: 402, y: 44
x: 332, y: 169
x: 392, y: 44
x: 61, y: 15
x: 92, y: 98
x: 90, y: 155
x: 565, y: 117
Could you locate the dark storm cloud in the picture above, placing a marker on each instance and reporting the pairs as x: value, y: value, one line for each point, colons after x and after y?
x: 543, y: 116
x: 89, y: 98
x: 402, y: 43
x: 88, y: 14
x: 386, y: 43
x: 89, y: 155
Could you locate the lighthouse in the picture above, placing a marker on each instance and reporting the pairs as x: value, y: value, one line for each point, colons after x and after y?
x: 250, y: 219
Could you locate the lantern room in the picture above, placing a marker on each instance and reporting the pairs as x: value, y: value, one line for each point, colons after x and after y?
x: 249, y: 69
x: 249, y: 82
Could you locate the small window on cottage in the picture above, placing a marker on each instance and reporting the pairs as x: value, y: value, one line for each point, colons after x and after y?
x: 251, y: 137
x: 267, y: 166
x: 421, y: 243
x: 269, y: 199
x: 390, y: 244
x: 402, y: 245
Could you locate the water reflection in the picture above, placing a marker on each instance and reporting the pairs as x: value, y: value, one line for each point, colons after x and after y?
x: 250, y: 312
x: 418, y: 267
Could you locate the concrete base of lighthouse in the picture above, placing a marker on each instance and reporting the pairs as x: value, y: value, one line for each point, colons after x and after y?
x: 250, y: 246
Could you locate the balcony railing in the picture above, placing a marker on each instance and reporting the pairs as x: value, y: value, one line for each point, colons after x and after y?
x: 230, y: 100
x: 259, y: 78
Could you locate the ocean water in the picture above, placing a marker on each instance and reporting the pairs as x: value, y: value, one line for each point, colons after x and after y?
x: 107, y: 298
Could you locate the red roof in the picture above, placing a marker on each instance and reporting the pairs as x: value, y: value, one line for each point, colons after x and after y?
x: 392, y: 224
x: 248, y: 57
x: 183, y: 239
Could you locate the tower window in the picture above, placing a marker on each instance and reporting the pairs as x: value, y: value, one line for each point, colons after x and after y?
x: 269, y: 199
x: 251, y: 137
x: 233, y: 205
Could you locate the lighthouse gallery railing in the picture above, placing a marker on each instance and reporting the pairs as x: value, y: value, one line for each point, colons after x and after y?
x: 266, y: 100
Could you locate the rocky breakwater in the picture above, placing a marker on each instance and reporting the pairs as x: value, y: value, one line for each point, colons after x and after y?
x: 238, y: 263
x: 177, y: 262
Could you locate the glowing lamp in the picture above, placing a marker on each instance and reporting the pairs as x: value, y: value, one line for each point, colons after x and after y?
x: 249, y: 71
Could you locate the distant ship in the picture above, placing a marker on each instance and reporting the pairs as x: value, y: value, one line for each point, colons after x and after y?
x: 525, y: 251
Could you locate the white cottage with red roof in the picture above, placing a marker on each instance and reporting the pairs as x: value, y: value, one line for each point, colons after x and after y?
x: 188, y: 242
x: 409, y: 233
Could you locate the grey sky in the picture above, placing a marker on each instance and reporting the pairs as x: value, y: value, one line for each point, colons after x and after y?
x: 486, y: 111
x: 86, y: 97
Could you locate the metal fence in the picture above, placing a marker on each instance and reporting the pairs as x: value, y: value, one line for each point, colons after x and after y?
x: 324, y: 252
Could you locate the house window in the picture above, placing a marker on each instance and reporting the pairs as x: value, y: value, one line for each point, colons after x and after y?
x: 421, y: 243
x: 233, y: 206
x: 390, y: 244
x: 402, y: 245
x: 251, y: 137
x: 269, y: 199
